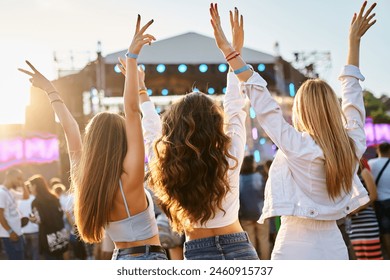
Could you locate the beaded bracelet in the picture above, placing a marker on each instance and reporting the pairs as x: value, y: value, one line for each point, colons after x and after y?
x: 234, y: 56
x: 233, y: 52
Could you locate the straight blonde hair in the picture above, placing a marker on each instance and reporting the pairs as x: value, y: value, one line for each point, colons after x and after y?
x: 96, y: 177
x: 317, y: 111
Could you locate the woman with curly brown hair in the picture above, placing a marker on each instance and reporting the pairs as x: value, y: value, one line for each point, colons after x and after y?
x: 195, y: 168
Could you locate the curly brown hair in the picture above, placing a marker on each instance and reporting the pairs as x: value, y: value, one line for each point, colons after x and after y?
x: 189, y: 170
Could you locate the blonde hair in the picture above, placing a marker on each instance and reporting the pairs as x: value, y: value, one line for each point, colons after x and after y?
x: 97, y: 175
x: 317, y: 111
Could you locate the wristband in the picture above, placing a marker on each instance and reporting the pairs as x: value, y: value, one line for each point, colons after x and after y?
x: 131, y: 55
x: 142, y: 91
x: 10, y: 231
x: 242, y: 69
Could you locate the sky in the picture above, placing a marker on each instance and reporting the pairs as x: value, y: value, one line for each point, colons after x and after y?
x: 35, y: 29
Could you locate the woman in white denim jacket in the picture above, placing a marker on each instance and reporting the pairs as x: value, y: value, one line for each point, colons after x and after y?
x: 312, y: 181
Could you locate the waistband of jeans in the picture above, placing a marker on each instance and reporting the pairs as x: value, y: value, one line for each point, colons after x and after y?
x: 140, y: 250
x: 218, y: 239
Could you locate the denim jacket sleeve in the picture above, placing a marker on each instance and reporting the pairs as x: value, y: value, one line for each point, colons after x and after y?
x: 269, y: 114
x: 235, y: 115
x: 353, y: 106
x: 151, y: 125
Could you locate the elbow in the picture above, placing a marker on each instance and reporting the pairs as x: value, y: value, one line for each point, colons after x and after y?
x: 133, y: 109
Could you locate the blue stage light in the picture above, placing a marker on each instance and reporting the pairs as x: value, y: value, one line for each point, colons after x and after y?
x: 164, y: 92
x: 211, y: 90
x: 150, y: 91
x: 257, y: 156
x: 224, y: 90
x: 252, y: 113
x: 116, y: 69
x: 291, y: 88
x: 182, y: 68
x: 222, y: 67
x: 203, y: 68
x: 160, y: 68
x: 261, y: 67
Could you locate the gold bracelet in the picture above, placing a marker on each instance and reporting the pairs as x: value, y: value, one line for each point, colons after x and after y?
x: 142, y: 91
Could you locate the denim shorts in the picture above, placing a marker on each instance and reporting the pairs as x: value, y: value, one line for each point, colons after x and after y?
x: 120, y: 254
x: 235, y: 246
x: 14, y: 249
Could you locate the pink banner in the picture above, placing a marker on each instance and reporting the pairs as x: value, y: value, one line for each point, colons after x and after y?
x: 31, y: 150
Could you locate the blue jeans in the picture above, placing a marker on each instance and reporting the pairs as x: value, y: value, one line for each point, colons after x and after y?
x: 117, y: 255
x: 14, y: 249
x: 235, y: 246
x: 31, y: 247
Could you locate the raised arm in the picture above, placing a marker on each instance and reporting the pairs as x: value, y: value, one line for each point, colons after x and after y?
x: 231, y: 54
x: 352, y: 97
x: 360, y: 24
x: 68, y: 123
x: 234, y: 101
x: 134, y: 160
x: 151, y: 122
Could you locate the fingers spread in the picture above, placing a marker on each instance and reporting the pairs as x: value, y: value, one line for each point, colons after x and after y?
x: 369, y: 10
x: 122, y: 69
x: 146, y: 26
x: 362, y: 9
x: 26, y: 72
x: 31, y: 66
x: 138, y: 24
x: 123, y: 63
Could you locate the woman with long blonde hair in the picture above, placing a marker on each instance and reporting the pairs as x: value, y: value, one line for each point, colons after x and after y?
x: 312, y: 181
x: 107, y: 169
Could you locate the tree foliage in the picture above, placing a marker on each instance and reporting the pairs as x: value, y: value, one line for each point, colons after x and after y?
x: 377, y: 108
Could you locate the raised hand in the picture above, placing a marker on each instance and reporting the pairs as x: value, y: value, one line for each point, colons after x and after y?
x: 220, y: 38
x: 140, y: 39
x: 141, y: 72
x: 361, y: 23
x: 237, y: 25
x: 37, y: 79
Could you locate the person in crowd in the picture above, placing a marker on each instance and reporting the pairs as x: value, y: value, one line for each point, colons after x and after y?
x: 380, y: 169
x: 59, y: 190
x: 312, y: 181
x: 198, y: 149
x: 10, y: 218
x: 107, y: 167
x: 363, y: 228
x: 30, y: 230
x: 251, y: 204
x: 48, y: 214
x: 54, y: 180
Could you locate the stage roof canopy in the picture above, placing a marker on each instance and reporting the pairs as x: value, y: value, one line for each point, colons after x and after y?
x: 189, y: 48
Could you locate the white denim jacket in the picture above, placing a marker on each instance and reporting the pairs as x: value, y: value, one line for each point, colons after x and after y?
x: 297, y: 181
